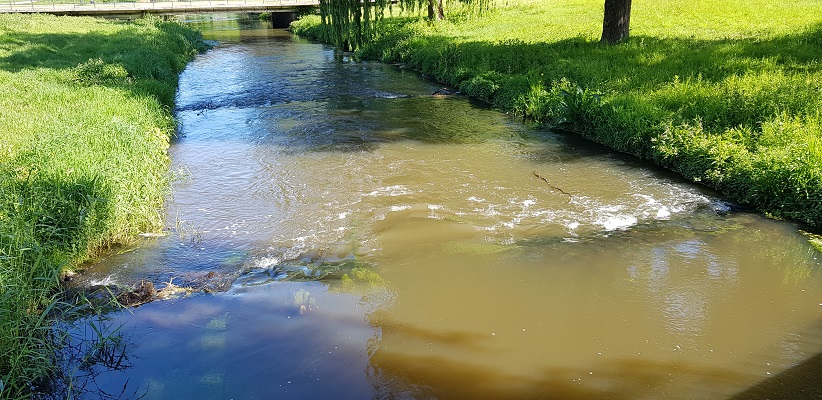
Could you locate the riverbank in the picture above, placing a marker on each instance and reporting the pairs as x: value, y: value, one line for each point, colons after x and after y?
x: 85, y: 119
x: 725, y: 93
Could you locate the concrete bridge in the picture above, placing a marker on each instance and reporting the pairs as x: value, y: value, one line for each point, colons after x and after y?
x: 126, y: 8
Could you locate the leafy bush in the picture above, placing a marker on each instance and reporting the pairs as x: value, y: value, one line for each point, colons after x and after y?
x: 483, y: 87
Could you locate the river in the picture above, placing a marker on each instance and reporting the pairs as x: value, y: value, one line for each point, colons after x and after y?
x: 369, y: 239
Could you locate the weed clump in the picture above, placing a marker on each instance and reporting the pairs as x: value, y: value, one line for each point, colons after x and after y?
x: 97, y: 72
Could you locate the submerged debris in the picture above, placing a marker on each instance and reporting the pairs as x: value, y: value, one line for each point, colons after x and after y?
x: 67, y: 275
x: 172, y: 291
x: 304, y: 301
x: 142, y: 293
x: 814, y: 239
x: 361, y: 280
x: 442, y: 92
x: 145, y: 291
x: 345, y: 274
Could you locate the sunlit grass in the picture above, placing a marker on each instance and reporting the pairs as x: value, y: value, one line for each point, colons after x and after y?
x: 726, y: 93
x: 85, y: 120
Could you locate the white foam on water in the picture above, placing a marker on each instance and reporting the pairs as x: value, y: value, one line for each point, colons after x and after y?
x: 616, y: 222
x: 391, y: 191
x: 267, y: 262
x: 487, y: 212
x: 107, y: 281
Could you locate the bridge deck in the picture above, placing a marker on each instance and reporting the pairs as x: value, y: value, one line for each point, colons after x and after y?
x: 89, y: 7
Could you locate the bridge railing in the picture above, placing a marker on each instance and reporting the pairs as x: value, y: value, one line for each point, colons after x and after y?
x: 89, y: 6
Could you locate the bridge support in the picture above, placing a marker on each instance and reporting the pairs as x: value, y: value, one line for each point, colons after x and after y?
x: 281, y: 19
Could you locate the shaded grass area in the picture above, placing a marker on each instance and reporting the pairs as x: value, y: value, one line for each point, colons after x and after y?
x: 85, y: 122
x: 725, y: 93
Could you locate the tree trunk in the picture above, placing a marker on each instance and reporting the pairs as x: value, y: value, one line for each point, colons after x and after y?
x: 435, y: 10
x: 617, y: 20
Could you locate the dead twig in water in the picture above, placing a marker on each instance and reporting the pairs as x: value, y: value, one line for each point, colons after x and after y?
x: 553, y: 187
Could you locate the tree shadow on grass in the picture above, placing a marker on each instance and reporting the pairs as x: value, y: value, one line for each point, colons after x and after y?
x: 638, y: 61
x: 151, y: 58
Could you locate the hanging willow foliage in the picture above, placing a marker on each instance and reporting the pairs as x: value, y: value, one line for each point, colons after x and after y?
x: 479, y: 6
x: 351, y: 23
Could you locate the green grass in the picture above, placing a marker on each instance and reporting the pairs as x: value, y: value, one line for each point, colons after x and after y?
x: 726, y: 93
x: 85, y: 120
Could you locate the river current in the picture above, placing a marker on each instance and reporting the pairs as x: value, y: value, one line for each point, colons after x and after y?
x: 371, y: 239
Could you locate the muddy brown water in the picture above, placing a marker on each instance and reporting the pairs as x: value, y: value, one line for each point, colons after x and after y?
x: 382, y: 242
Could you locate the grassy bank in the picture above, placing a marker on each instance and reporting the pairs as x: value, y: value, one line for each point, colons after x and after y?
x: 85, y: 122
x: 727, y: 93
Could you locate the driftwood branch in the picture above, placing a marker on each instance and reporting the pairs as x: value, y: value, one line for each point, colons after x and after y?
x: 552, y: 186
